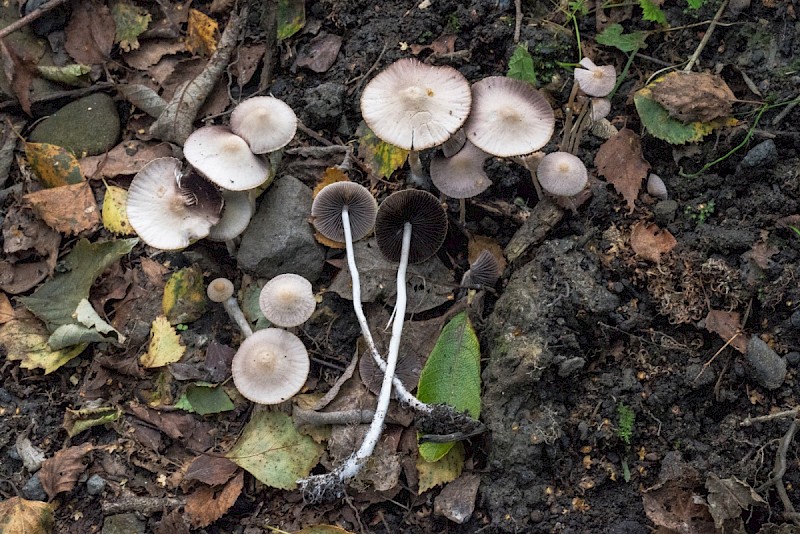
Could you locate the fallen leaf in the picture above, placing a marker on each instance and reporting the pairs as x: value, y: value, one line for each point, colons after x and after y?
x: 761, y: 253
x: 728, y: 325
x: 676, y: 507
x: 446, y: 44
x: 694, y: 96
x: 165, y: 345
x: 456, y: 501
x: 381, y: 158
x: 204, y: 398
x: 184, y: 298
x: 75, y: 75
x: 620, y: 160
x: 54, y: 165
x: 728, y: 498
x: 88, y: 327
x: 76, y: 421
x: 211, y: 470
x: 447, y: 469
x: 68, y: 209
x: 649, y: 241
x: 130, y: 22
x: 61, y: 472
x: 479, y: 243
x: 6, y: 310
x: 142, y: 303
x: 218, y: 361
x: 151, y: 51
x: 28, y: 517
x: 127, y: 158
x: 194, y: 434
x: 250, y: 55
x: 115, y: 216
x: 20, y: 74
x: 90, y: 33
x: 144, y: 98
x: 206, y: 504
x: 24, y: 232
x: 25, y: 340
x: 321, y: 52
x: 201, y: 33
x: 291, y: 17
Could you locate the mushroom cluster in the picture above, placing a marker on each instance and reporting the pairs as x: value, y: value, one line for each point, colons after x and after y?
x: 170, y: 209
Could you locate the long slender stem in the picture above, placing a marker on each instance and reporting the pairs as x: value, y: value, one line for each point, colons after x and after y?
x: 235, y: 312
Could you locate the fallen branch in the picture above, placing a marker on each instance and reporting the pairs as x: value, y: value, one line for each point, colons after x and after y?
x: 30, y: 17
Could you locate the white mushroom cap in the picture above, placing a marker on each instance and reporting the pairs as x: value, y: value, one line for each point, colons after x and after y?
x: 656, y: 187
x: 236, y: 215
x: 287, y: 300
x: 601, y: 107
x: 225, y: 158
x: 169, y: 211
x: 509, y: 117
x: 462, y: 175
x: 219, y: 290
x: 270, y: 366
x: 416, y: 106
x: 562, y: 174
x: 595, y: 80
x: 265, y: 122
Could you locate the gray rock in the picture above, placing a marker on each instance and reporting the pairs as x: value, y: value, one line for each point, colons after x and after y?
x: 764, y: 365
x: 33, y: 490
x: 280, y: 239
x: 5, y: 396
x: 324, y: 104
x: 88, y: 126
x: 123, y: 524
x: 793, y: 358
x: 570, y: 366
x: 95, y: 485
x: 762, y: 156
x: 664, y: 212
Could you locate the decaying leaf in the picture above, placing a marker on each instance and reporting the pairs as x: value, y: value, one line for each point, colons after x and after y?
x: 131, y: 22
x: 207, y: 504
x: 151, y: 51
x: 6, y: 310
x: 204, y: 398
x: 75, y: 74
x: 728, y: 498
x: 184, y: 298
x: 728, y: 325
x: 76, y: 421
x: 694, y: 96
x: 115, y: 216
x: 379, y: 156
x: 649, y: 241
x: 165, y: 345
x: 87, y: 328
x: 127, y: 158
x: 68, y: 209
x: 54, y: 166
x: 25, y: 340
x: 446, y: 44
x: 23, y: 516
x: 447, y: 469
x: 90, y: 33
x: 61, y: 472
x: 321, y: 52
x: 620, y: 160
x: 291, y: 17
x: 211, y: 470
x: 20, y: 74
x: 202, y: 31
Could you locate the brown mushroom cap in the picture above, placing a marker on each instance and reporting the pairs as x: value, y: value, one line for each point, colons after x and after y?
x: 415, y: 106
x: 265, y: 122
x: 327, y: 207
x: 219, y: 290
x: 270, y: 366
x: 287, y: 300
x: 562, y: 174
x: 407, y: 370
x: 509, y: 117
x: 169, y: 210
x: 595, y: 80
x: 428, y: 225
x: 462, y: 175
x: 225, y: 158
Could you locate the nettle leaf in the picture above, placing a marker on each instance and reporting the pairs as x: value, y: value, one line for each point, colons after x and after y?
x: 520, y: 66
x: 695, y: 4
x: 626, y: 42
x: 452, y: 375
x: 651, y: 12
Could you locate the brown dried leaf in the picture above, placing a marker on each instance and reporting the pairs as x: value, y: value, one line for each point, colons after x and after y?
x: 249, y: 58
x: 211, y: 470
x: 6, y: 310
x: 61, y: 472
x: 68, y: 209
x: 202, y: 33
x: 16, y: 278
x: 728, y: 325
x: 649, y: 241
x: 150, y: 52
x: 446, y: 44
x: 23, y: 231
x: 321, y: 52
x: 728, y: 497
x: 20, y: 74
x: 761, y: 253
x: 206, y: 505
x: 90, y: 32
x: 456, y: 501
x: 127, y: 158
x: 620, y: 160
x: 479, y: 243
x: 676, y: 507
x: 694, y: 96
x: 26, y: 517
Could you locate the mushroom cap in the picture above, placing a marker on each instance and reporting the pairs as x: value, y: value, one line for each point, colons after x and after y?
x: 462, y: 175
x: 169, y: 210
x: 270, y: 366
x: 225, y: 158
x: 327, y: 207
x: 656, y: 187
x: 407, y: 370
x: 236, y: 215
x: 416, y: 106
x: 287, y: 300
x: 601, y: 107
x: 485, y: 270
x: 265, y: 122
x: 428, y: 225
x: 219, y: 290
x: 595, y: 80
x: 562, y: 174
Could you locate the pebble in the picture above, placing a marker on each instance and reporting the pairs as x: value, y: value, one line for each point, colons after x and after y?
x: 95, y: 485
x: 87, y: 127
x: 324, y: 104
x: 793, y: 358
x: 570, y: 366
x: 123, y: 524
x: 765, y: 367
x: 794, y: 320
x: 5, y: 396
x: 763, y: 155
x: 664, y: 212
x: 33, y: 490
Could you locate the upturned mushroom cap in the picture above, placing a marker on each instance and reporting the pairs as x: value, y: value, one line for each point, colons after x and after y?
x: 416, y: 106
x: 219, y: 290
x: 225, y: 158
x: 327, y: 207
x: 485, y: 270
x: 265, y: 122
x: 169, y: 210
x: 407, y: 370
x: 287, y: 300
x: 428, y: 225
x: 462, y: 175
x: 509, y: 117
x: 236, y: 215
x: 562, y: 174
x: 270, y: 366
x: 595, y: 80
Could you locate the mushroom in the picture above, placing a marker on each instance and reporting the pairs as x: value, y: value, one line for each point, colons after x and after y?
x: 461, y: 175
x: 416, y: 106
x: 400, y: 214
x: 592, y: 80
x: 170, y: 210
x: 562, y: 174
x: 225, y: 158
x: 484, y: 271
x: 265, y: 122
x: 270, y: 366
x: 236, y: 215
x: 221, y: 290
x: 595, y: 80
x: 287, y: 300
x: 601, y: 107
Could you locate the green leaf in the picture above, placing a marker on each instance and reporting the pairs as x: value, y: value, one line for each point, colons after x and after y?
x: 74, y: 74
x: 452, y: 375
x: 90, y: 327
x: 695, y: 4
x: 272, y: 450
x: 76, y: 421
x: 651, y: 12
x: 291, y: 17
x: 627, y: 42
x: 184, y: 297
x: 130, y: 23
x: 205, y: 399
x: 25, y: 340
x: 520, y: 66
x: 381, y: 157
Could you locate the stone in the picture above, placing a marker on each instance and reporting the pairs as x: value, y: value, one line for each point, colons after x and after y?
x: 764, y: 365
x: 123, y: 524
x: 664, y: 212
x: 762, y: 156
x: 87, y: 127
x: 280, y: 239
x: 95, y: 485
x: 324, y: 105
x: 33, y: 490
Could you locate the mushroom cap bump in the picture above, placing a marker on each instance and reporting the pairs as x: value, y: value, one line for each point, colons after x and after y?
x: 509, y: 117
x: 265, y: 122
x: 270, y: 366
x: 225, y: 158
x: 595, y: 80
x: 428, y: 225
x: 562, y: 174
x: 461, y: 175
x: 287, y: 300
x: 219, y: 290
x: 169, y: 210
x: 326, y: 210
x: 415, y: 106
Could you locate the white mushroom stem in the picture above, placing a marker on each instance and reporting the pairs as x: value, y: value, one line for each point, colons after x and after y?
x: 235, y: 312
x: 353, y: 464
x: 417, y: 172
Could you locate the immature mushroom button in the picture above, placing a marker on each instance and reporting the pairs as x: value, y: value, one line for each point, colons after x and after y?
x: 287, y: 300
x: 595, y: 80
x: 562, y: 174
x: 221, y: 290
x: 225, y: 158
x: 265, y: 122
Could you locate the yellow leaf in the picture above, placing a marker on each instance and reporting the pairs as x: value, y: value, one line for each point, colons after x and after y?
x: 447, y: 469
x: 330, y: 176
x: 53, y: 165
x: 115, y: 216
x: 67, y: 209
x: 184, y: 298
x: 25, y: 340
x: 165, y: 345
x: 30, y: 517
x: 381, y: 157
x: 202, y: 32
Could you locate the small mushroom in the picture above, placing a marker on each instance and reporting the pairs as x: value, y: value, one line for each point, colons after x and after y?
x: 221, y: 290
x: 225, y: 158
x: 562, y: 174
x: 601, y: 107
x: 484, y: 271
x: 270, y: 366
x: 236, y: 215
x: 170, y: 210
x: 461, y: 176
x: 265, y: 122
x: 287, y: 300
x: 406, y: 211
x: 595, y: 80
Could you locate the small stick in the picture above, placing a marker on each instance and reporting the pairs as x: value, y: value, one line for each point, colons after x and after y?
x: 706, y: 37
x: 518, y: 19
x: 750, y: 421
x: 314, y: 418
x: 30, y: 17
x: 269, y: 23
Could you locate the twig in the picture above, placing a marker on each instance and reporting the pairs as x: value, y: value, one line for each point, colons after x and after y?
x: 314, y: 135
x: 314, y: 418
x: 518, y: 19
x: 30, y: 17
x: 779, y: 469
x: 269, y: 23
x: 706, y: 37
x: 750, y: 421
x: 789, y: 107
x: 135, y: 503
